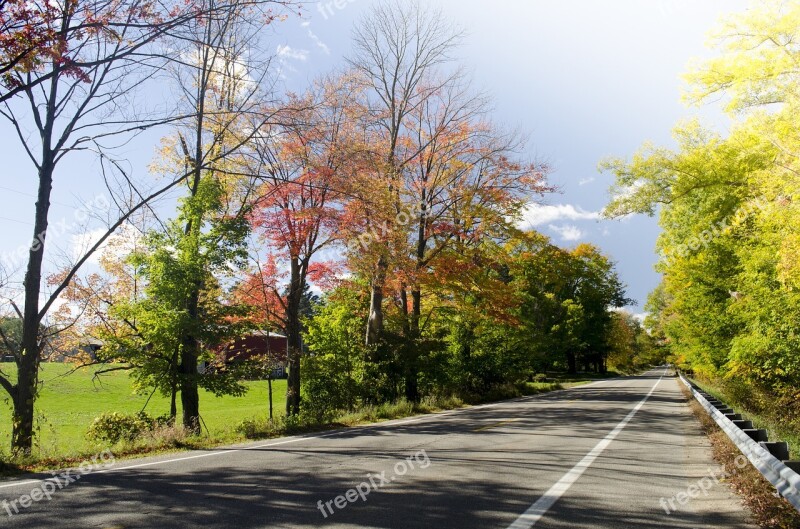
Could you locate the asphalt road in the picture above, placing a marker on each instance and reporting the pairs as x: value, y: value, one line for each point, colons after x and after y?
x: 607, y: 455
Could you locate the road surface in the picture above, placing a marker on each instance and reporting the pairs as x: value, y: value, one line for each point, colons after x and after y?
x: 614, y: 454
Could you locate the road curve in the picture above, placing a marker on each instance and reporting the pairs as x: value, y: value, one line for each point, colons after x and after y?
x: 617, y: 453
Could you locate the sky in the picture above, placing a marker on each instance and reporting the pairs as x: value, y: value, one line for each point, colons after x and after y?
x: 585, y: 80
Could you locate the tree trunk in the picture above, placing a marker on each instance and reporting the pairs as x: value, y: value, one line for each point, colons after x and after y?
x: 294, y: 340
x: 24, y: 395
x: 173, y: 406
x: 412, y: 355
x: 414, y: 334
x: 572, y: 364
x: 404, y: 310
x: 174, y: 370
x: 375, y: 322
x: 190, y: 397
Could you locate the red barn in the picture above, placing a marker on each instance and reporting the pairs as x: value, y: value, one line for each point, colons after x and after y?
x: 259, y: 344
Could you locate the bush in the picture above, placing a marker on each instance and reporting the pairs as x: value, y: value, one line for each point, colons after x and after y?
x: 260, y: 427
x: 164, y: 435
x: 333, y: 371
x: 250, y: 428
x: 114, y: 427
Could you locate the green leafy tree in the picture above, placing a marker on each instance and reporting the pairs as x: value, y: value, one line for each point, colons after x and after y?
x: 335, y: 366
x: 728, y: 303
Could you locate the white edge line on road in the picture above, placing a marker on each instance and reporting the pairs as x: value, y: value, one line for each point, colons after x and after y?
x: 398, y: 422
x: 536, y: 511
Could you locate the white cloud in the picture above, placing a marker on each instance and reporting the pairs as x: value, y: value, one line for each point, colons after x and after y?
x: 318, y: 41
x: 538, y: 214
x: 638, y: 316
x: 287, y: 52
x: 120, y: 244
x: 586, y: 181
x: 628, y: 191
x: 82, y: 242
x: 567, y: 232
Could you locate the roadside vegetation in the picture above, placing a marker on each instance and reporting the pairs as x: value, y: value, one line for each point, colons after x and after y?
x: 760, y: 410
x: 374, y: 220
x: 79, y: 414
x: 727, y: 202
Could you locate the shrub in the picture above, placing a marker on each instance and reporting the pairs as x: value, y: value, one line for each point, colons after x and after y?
x: 165, y: 435
x: 333, y: 371
x: 114, y: 427
x: 258, y: 428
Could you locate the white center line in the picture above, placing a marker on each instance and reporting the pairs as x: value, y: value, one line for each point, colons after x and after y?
x: 536, y: 511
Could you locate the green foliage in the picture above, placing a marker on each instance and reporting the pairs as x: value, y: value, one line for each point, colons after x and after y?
x: 528, y: 309
x: 159, y: 323
x: 261, y: 427
x: 631, y: 347
x: 334, y: 369
x: 10, y: 336
x: 728, y: 304
x: 114, y: 427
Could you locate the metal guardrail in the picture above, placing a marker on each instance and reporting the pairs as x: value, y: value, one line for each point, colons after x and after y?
x: 785, y: 480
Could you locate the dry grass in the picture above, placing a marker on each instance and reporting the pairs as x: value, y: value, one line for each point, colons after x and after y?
x: 769, y: 510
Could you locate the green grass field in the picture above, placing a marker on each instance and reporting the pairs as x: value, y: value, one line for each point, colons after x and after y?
x: 69, y: 403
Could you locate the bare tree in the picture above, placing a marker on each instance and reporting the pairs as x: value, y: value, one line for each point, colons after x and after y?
x: 400, y: 48
x: 35, y: 33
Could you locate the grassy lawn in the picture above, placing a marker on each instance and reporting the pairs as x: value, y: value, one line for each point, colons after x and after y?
x: 68, y: 404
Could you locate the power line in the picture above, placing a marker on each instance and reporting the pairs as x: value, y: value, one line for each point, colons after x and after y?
x: 17, y: 221
x: 23, y: 193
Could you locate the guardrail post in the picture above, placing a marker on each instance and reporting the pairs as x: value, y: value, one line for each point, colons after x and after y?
x: 758, y: 435
x: 780, y: 449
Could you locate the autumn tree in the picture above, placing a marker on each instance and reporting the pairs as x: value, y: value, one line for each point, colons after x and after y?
x: 400, y: 50
x: 727, y: 306
x: 466, y: 186
x: 301, y: 166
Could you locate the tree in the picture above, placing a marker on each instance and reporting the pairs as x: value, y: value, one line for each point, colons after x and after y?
x: 727, y: 306
x: 298, y: 208
x: 76, y: 68
x: 630, y: 346
x: 335, y: 366
x: 447, y: 177
x: 567, y: 297
x: 40, y: 41
x: 399, y: 48
x: 223, y: 81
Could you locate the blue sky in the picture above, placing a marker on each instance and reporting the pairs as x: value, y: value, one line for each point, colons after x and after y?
x: 584, y: 79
